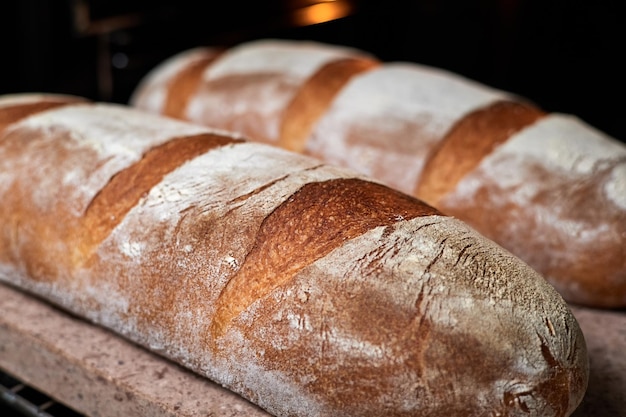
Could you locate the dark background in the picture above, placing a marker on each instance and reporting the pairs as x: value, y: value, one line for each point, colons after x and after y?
x: 566, y: 56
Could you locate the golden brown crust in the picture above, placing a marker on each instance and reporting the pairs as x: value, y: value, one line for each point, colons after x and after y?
x: 184, y: 85
x: 314, y: 98
x: 127, y: 187
x: 468, y: 142
x: 312, y: 222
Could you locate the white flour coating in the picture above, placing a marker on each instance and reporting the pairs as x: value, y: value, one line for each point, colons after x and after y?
x: 213, y: 179
x: 132, y: 249
x: 408, y: 91
x: 296, y: 59
x: 9, y: 100
x: 153, y: 89
x: 422, y: 239
x: 468, y: 288
x: 567, y: 145
x: 119, y: 137
x: 615, y: 188
x: 113, y: 131
x: 253, y: 108
x: 565, y: 142
x: 392, y: 116
x: 271, y: 389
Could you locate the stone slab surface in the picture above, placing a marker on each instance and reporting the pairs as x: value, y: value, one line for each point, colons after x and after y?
x: 605, y: 334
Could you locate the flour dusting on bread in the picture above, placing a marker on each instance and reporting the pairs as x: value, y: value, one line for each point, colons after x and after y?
x: 384, y: 122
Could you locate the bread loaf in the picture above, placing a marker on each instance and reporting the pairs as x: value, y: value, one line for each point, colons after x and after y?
x: 248, y: 89
x: 308, y: 289
x: 547, y: 187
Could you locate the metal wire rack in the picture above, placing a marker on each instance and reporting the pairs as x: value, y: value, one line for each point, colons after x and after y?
x: 18, y: 399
